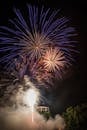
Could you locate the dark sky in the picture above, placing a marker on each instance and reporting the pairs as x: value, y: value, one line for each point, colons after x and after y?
x: 72, y: 90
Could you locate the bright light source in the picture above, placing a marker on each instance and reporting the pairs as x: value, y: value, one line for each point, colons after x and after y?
x: 30, y: 98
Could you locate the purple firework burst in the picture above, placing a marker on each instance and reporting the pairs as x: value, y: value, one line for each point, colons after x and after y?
x: 34, y: 38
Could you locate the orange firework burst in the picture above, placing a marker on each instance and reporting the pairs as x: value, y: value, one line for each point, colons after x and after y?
x: 54, y: 60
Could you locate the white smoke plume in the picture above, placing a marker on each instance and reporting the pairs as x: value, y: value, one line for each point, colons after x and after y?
x: 19, y: 115
x: 21, y: 120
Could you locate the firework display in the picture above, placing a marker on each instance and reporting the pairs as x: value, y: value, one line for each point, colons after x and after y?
x: 40, y: 46
x: 54, y: 60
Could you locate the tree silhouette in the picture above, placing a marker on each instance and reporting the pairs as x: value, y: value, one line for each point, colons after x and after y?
x: 76, y: 117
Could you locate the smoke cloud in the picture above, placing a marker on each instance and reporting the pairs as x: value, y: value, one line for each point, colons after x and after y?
x: 18, y: 115
x: 20, y: 119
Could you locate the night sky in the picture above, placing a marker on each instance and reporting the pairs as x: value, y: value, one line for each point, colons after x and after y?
x: 71, y: 90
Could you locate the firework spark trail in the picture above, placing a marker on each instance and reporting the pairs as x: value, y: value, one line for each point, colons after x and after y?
x: 30, y: 99
x: 32, y: 114
x: 33, y: 40
x: 31, y: 96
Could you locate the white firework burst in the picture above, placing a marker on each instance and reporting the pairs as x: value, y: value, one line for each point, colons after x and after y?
x: 54, y: 60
